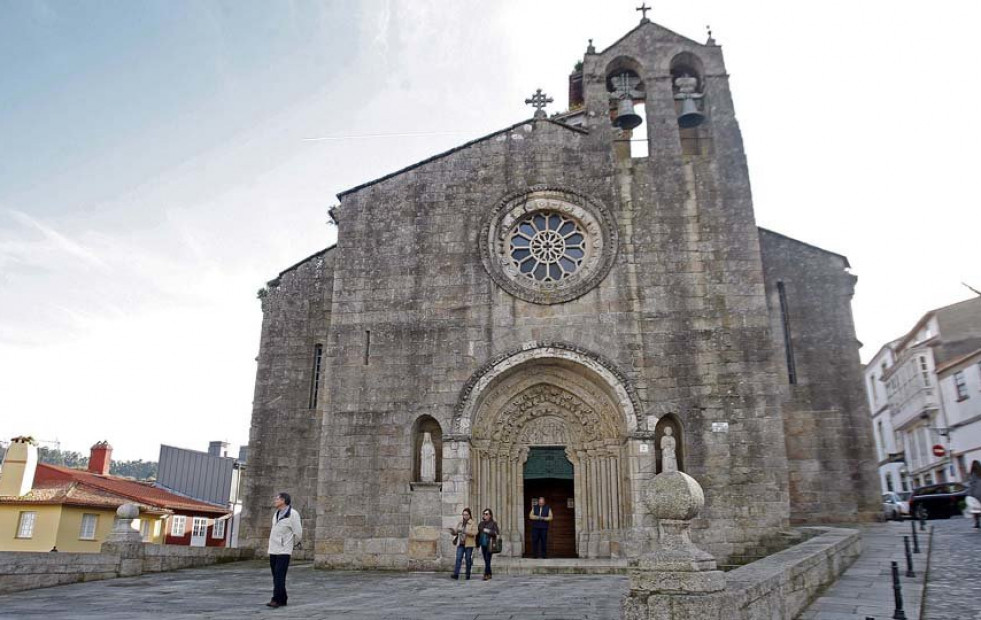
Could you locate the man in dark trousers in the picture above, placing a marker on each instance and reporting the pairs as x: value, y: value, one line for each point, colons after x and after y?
x: 541, y: 516
x: 286, y: 533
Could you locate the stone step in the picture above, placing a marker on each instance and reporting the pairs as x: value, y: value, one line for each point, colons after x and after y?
x: 557, y: 566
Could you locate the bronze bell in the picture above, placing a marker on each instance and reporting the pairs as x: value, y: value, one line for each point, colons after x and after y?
x: 626, y: 118
x: 690, y: 116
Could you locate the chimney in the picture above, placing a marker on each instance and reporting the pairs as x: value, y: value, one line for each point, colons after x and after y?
x: 100, y: 457
x: 218, y: 448
x: 19, y: 465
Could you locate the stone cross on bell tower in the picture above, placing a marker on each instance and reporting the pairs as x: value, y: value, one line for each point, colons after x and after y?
x: 643, y: 8
x: 538, y: 101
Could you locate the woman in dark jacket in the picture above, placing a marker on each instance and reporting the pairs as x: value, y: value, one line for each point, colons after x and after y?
x: 487, y: 533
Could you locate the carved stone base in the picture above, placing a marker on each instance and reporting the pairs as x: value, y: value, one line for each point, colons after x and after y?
x: 677, y: 582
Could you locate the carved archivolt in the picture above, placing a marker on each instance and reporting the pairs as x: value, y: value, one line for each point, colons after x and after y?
x: 594, y: 373
x: 550, y: 404
x: 547, y: 414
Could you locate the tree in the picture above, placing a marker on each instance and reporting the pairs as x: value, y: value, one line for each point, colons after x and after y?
x: 139, y: 469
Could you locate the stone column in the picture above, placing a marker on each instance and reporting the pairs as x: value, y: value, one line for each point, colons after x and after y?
x: 125, y: 541
x: 675, y: 566
x: 456, y: 488
x: 638, y: 472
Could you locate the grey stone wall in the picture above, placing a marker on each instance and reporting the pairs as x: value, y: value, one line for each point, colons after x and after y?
x: 284, y: 439
x: 832, y: 473
x: 28, y: 571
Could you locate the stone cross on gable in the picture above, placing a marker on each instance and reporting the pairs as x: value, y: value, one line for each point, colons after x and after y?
x: 538, y: 101
x: 643, y: 8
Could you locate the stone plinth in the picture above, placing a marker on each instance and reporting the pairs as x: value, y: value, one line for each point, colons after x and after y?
x: 424, y: 525
x: 675, y: 566
x: 125, y: 541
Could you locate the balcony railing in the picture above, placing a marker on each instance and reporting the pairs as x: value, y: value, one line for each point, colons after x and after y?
x: 922, y: 401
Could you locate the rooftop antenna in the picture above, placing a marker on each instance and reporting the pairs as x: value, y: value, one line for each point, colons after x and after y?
x: 972, y: 289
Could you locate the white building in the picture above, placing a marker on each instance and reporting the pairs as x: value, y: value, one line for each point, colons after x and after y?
x: 887, y: 453
x: 960, y: 390
x: 927, y: 427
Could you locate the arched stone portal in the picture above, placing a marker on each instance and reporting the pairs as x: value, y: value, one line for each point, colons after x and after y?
x: 553, y: 401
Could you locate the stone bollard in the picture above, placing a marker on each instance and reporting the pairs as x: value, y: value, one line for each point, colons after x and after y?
x: 675, y: 566
x: 125, y: 541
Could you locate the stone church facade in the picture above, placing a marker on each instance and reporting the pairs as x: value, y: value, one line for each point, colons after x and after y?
x: 545, y: 305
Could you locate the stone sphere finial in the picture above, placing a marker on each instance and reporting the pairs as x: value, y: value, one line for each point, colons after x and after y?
x: 128, y: 511
x: 674, y: 495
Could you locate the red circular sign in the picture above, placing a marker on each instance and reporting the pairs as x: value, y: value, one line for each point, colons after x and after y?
x: 938, y: 450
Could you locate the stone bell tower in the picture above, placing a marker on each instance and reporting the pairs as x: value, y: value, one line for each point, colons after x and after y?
x: 695, y: 254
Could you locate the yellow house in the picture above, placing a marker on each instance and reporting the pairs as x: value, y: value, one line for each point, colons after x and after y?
x: 67, y: 518
x: 48, y: 507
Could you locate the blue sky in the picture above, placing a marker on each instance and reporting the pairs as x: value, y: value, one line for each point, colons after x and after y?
x: 157, y: 167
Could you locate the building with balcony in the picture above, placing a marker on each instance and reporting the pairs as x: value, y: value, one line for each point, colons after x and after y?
x: 919, y: 387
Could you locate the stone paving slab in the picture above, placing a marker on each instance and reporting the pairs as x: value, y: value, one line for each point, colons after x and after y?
x: 865, y: 589
x: 241, y: 590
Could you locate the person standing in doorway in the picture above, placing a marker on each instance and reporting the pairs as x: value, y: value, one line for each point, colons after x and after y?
x: 541, y: 516
x: 286, y: 533
x: 488, y: 533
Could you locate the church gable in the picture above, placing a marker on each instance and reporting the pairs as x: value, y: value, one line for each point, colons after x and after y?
x: 514, y: 131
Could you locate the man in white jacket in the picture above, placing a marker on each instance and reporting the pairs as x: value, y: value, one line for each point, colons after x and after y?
x: 286, y: 532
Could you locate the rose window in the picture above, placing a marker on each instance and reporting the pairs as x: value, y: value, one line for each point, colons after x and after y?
x: 547, y: 246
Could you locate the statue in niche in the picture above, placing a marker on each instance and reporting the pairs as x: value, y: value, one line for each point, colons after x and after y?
x: 669, y: 460
x: 427, y: 463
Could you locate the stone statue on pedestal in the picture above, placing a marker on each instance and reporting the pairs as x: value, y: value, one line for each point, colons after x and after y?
x: 427, y: 464
x: 669, y: 458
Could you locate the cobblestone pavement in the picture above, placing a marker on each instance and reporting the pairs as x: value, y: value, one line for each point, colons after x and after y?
x: 954, y: 585
x: 241, y: 590
x: 865, y: 589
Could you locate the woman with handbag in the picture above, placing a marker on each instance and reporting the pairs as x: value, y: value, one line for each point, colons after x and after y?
x: 465, y: 539
x: 489, y: 540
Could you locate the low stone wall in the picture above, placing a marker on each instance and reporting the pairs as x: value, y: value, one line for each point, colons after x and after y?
x: 163, y: 558
x: 26, y: 571
x: 778, y: 587
x: 20, y: 570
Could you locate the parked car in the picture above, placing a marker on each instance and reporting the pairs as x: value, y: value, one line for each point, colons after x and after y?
x: 895, y: 506
x: 938, y: 501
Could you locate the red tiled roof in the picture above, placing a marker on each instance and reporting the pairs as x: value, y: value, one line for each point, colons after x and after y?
x: 73, y: 493
x: 132, y: 490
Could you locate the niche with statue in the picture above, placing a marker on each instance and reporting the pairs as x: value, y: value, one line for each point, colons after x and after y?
x: 427, y: 450
x: 668, y: 445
